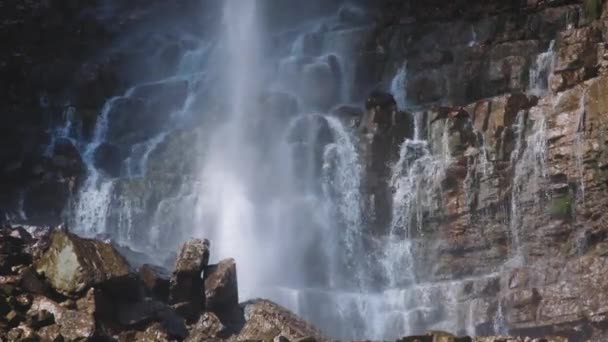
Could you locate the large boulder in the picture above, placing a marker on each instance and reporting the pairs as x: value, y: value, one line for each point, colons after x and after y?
x: 221, y: 289
x: 265, y: 320
x: 186, y: 291
x: 73, y: 264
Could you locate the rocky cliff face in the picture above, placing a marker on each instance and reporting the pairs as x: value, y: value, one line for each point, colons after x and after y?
x: 511, y: 104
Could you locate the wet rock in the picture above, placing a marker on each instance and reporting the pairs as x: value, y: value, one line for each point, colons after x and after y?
x: 73, y: 264
x: 108, y: 158
x: 67, y: 159
x: 279, y: 105
x: 156, y: 281
x: 221, y: 288
x: 186, y: 287
x: 321, y: 82
x: 265, y: 320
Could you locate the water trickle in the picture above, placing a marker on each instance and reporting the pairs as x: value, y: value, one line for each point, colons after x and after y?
x: 579, y: 150
x: 541, y: 71
x: 530, y: 172
x: 399, y: 87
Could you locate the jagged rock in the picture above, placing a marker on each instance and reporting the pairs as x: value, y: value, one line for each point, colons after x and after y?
x: 72, y: 324
x: 73, y: 264
x: 279, y: 105
x: 321, y: 82
x: 51, y: 333
x: 193, y: 258
x: 265, y: 320
x: 221, y: 288
x: 207, y: 327
x: 186, y: 287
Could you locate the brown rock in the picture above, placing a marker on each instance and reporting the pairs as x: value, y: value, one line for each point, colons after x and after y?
x: 73, y: 264
x: 265, y: 320
x: 72, y: 324
x: 186, y: 287
x: 221, y: 288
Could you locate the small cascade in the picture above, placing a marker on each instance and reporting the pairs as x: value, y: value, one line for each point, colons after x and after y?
x: 399, y: 88
x: 579, y: 150
x: 541, y: 70
x: 473, y: 40
x: 91, y: 207
x: 62, y: 131
x: 530, y: 172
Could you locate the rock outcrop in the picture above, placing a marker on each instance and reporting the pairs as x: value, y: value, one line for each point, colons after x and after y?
x: 514, y: 102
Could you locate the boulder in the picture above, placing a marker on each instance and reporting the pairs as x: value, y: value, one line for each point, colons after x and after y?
x: 265, y: 320
x: 186, y: 290
x: 73, y: 264
x: 221, y: 289
x: 72, y: 324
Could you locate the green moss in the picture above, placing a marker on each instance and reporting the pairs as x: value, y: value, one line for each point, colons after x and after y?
x: 561, y: 207
x: 593, y: 9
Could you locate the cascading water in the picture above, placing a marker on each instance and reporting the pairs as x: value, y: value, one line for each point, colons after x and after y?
x: 541, y: 70
x: 275, y: 182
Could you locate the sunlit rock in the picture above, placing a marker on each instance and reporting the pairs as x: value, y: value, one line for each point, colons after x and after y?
x: 265, y: 320
x: 72, y: 264
x: 221, y: 287
x: 186, y: 291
